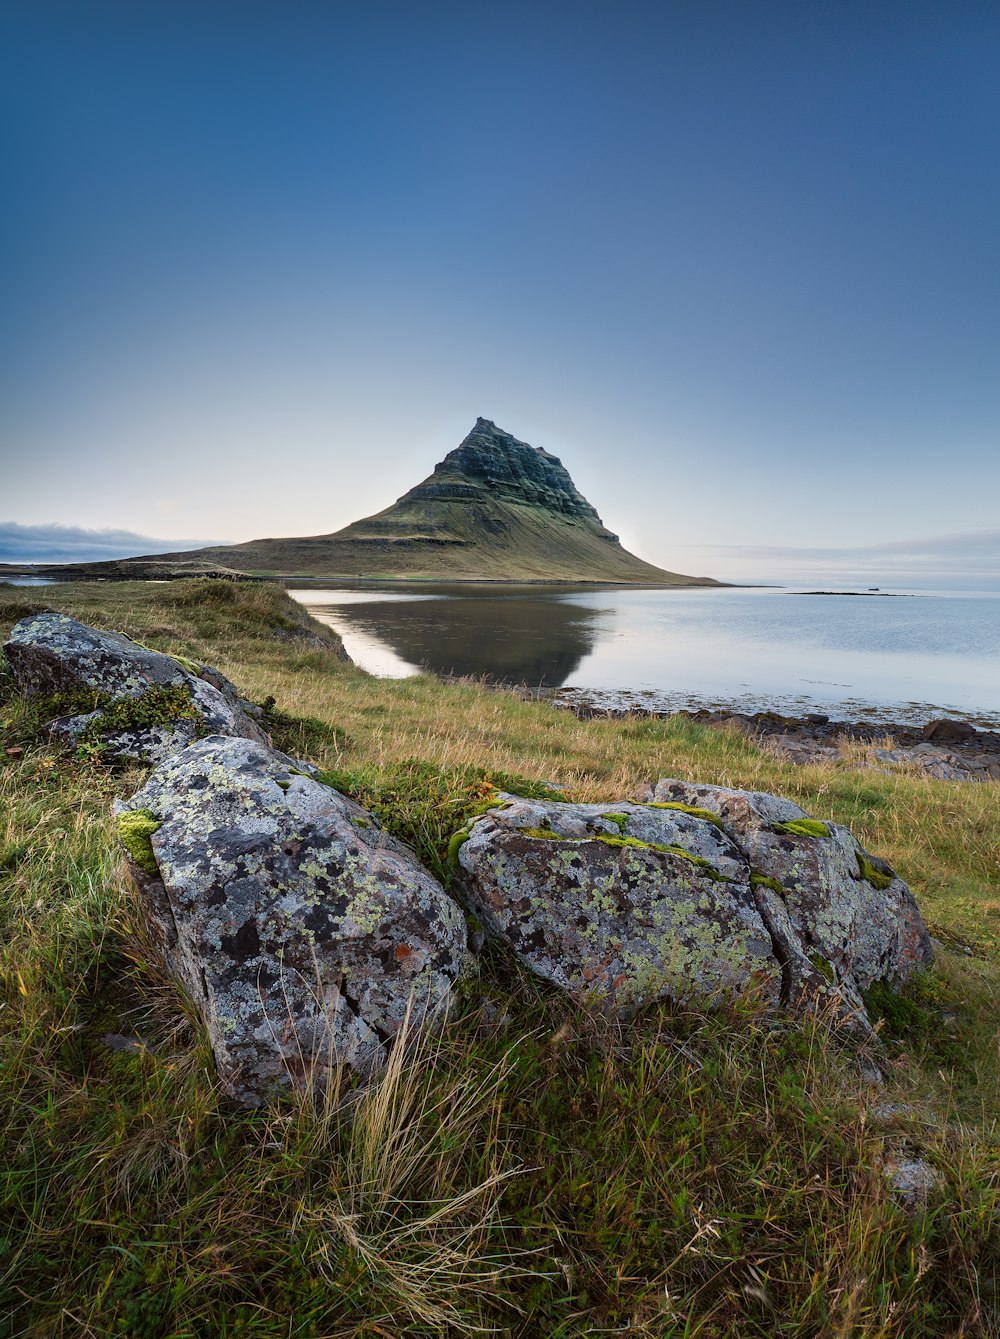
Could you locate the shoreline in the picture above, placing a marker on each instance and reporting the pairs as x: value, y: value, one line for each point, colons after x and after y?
x: 947, y: 747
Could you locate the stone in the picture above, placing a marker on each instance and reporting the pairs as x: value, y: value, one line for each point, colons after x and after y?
x: 840, y: 918
x: 803, y: 751
x: 618, y: 904
x: 948, y: 731
x: 305, y: 935
x: 911, y: 1181
x: 53, y: 654
x: 934, y: 761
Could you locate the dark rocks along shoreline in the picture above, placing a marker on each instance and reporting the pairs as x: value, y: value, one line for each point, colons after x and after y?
x: 950, y: 750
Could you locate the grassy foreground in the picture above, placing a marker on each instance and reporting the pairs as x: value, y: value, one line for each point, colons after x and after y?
x: 533, y: 1171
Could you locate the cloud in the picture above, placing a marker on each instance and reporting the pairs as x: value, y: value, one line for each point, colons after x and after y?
x: 73, y: 544
x: 971, y: 559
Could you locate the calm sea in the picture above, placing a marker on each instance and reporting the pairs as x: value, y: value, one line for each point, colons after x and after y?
x: 855, y: 656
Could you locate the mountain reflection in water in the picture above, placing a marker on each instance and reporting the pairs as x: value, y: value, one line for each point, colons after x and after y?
x: 750, y: 648
x: 520, y: 636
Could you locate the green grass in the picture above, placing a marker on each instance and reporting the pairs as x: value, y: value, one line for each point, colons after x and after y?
x: 534, y: 1169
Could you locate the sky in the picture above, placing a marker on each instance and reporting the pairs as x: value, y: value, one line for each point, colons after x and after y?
x: 264, y: 264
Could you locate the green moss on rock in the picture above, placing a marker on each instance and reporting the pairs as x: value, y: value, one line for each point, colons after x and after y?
x: 705, y: 815
x: 876, y: 877
x: 704, y: 866
x: 765, y: 881
x: 822, y: 966
x: 455, y: 845
x: 135, y: 829
x: 802, y: 827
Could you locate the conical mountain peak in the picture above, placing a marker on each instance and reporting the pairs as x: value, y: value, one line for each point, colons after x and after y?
x: 492, y: 460
x: 494, y: 509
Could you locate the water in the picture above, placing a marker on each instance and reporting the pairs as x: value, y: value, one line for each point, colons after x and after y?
x: 911, y: 658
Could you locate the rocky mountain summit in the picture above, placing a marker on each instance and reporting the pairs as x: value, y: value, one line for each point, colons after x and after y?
x: 495, y: 509
x: 509, y: 469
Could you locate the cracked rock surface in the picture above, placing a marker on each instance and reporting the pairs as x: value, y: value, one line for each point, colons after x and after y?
x: 301, y: 930
x: 695, y: 891
x: 619, y: 902
x: 52, y: 653
x: 839, y: 917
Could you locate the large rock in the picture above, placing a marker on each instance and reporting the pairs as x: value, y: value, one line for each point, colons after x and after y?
x: 152, y: 704
x: 623, y: 903
x: 302, y: 931
x: 697, y: 891
x: 840, y: 918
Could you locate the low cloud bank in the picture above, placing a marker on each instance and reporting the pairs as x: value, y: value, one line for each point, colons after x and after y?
x: 73, y: 544
x: 968, y: 561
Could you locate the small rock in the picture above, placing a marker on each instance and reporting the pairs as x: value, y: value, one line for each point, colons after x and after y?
x: 911, y: 1181
x: 948, y: 732
x: 118, y: 1041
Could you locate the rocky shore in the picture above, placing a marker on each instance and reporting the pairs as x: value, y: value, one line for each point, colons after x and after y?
x: 950, y: 750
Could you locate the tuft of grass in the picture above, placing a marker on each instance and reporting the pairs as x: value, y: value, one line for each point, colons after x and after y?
x: 429, y: 807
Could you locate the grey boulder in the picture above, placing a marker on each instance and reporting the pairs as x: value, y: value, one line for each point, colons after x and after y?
x: 304, y: 934
x: 621, y: 903
x: 52, y: 654
x: 840, y: 918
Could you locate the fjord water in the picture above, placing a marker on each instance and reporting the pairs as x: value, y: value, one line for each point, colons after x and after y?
x: 910, y: 658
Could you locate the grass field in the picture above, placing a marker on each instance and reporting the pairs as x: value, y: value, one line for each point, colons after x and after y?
x: 533, y: 1171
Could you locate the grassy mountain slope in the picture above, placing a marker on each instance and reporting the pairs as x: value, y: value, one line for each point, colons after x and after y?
x: 495, y: 509
x: 537, y: 1170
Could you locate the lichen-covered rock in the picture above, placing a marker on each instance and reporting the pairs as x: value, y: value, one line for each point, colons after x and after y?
x: 149, y: 704
x: 301, y: 930
x: 620, y: 903
x: 839, y: 917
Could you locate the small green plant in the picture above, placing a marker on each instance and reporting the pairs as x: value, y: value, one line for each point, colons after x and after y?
x: 156, y: 706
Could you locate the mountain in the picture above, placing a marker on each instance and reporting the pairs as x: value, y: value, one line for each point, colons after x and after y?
x: 495, y: 509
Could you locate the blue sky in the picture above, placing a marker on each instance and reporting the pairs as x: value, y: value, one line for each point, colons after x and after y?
x: 735, y: 264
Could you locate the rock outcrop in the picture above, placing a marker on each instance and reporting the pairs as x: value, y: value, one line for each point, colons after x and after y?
x: 492, y: 459
x: 304, y: 933
x: 840, y: 918
x: 698, y: 891
x: 621, y: 903
x: 146, y: 705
